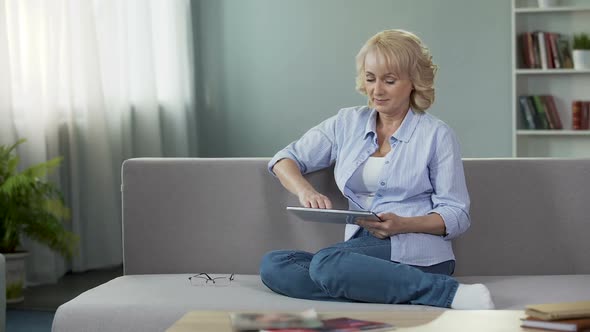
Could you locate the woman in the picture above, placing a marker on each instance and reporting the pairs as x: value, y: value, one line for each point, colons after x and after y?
x: 394, y: 159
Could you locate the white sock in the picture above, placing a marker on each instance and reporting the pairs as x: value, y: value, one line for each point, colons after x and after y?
x: 475, y: 297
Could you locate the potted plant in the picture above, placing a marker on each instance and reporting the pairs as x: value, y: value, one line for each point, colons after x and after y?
x: 33, y: 207
x: 581, y: 51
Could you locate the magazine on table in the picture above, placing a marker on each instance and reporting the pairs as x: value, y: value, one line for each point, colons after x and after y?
x: 255, y: 321
x: 342, y: 324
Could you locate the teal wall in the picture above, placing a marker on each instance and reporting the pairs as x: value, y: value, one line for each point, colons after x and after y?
x: 271, y: 69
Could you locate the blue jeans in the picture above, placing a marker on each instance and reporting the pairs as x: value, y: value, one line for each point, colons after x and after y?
x: 358, y: 270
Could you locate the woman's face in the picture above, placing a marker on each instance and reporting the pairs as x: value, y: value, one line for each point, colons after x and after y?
x: 388, y: 93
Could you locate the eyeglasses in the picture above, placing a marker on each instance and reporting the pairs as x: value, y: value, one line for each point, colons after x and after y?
x: 203, y: 279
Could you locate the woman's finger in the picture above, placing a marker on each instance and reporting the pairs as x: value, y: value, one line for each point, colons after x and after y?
x: 314, y: 204
x: 327, y: 203
x: 321, y: 203
x: 378, y: 234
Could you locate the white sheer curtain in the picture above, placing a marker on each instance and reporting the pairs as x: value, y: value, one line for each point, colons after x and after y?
x: 96, y: 82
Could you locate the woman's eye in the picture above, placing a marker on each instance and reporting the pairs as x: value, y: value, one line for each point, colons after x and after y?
x: 370, y: 80
x: 390, y: 82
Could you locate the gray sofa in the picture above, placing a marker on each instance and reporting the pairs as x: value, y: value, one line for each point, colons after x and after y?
x: 528, y: 241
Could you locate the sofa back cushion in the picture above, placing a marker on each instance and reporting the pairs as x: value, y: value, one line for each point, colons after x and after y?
x: 220, y: 215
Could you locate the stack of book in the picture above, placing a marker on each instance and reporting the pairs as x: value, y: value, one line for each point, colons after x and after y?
x: 568, y: 316
x: 580, y: 115
x: 539, y: 112
x: 546, y: 50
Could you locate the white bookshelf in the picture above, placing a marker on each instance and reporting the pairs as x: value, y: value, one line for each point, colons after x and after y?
x: 565, y: 132
x: 534, y: 10
x: 551, y: 72
x: 565, y: 85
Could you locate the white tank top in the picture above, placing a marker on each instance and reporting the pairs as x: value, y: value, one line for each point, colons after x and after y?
x: 364, y: 182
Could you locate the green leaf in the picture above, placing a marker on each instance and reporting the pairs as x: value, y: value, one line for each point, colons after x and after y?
x: 56, y: 208
x: 581, y: 42
x: 49, y: 231
x: 12, y: 164
x: 40, y: 170
x: 13, y: 184
x: 31, y: 206
x: 19, y: 142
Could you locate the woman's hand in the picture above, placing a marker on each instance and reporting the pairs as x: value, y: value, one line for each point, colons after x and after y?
x: 390, y: 225
x: 312, y: 199
x: 292, y: 179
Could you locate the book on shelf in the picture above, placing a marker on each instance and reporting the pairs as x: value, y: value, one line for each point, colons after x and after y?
x: 540, y: 36
x: 564, y: 53
x: 585, y: 118
x: 536, y: 51
x: 527, y: 47
x: 576, y: 115
x: 343, y: 324
x: 552, y: 113
x: 562, y: 310
x: 553, y: 37
x: 580, y: 115
x: 544, y: 50
x: 580, y: 324
x: 543, y: 119
x: 527, y: 111
x: 539, y: 112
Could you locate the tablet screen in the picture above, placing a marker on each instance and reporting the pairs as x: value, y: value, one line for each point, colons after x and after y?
x: 330, y: 215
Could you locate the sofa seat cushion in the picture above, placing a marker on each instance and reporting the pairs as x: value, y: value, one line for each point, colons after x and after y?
x: 515, y: 292
x: 154, y: 302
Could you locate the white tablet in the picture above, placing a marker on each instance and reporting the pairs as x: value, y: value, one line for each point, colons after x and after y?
x: 331, y: 216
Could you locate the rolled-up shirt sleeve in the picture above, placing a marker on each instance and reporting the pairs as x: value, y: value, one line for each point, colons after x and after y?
x: 450, y: 198
x: 315, y: 150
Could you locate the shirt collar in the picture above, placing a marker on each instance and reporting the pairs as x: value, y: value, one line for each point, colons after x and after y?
x: 408, y: 126
x: 405, y: 130
x: 371, y: 123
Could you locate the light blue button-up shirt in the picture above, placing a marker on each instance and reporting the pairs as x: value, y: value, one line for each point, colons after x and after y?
x: 422, y: 174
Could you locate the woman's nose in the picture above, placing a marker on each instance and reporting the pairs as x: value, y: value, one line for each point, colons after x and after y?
x: 378, y: 87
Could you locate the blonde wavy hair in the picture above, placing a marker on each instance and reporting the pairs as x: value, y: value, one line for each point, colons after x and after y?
x: 408, y: 58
